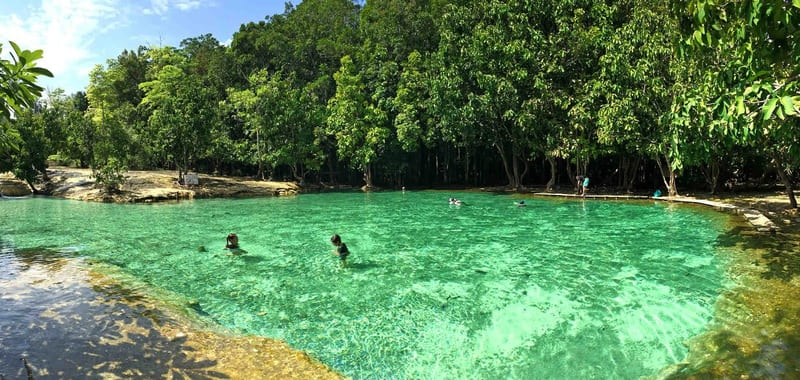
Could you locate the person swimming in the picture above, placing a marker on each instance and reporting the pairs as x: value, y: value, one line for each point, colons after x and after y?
x: 521, y: 204
x: 341, y: 249
x: 232, y: 241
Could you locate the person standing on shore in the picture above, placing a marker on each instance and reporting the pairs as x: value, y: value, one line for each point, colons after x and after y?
x: 585, y: 186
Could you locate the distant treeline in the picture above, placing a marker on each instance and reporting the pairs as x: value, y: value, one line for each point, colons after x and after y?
x: 633, y: 93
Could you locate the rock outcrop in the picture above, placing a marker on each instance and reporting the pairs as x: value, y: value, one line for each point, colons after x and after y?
x: 12, y: 187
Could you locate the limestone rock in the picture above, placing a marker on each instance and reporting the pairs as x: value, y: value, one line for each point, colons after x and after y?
x: 12, y: 187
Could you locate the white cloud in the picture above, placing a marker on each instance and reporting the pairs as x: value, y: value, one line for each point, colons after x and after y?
x: 161, y: 7
x: 158, y: 7
x: 66, y: 31
x: 186, y: 5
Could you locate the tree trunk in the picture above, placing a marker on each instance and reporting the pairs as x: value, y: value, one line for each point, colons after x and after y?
x: 368, y: 175
x: 673, y: 189
x: 298, y: 173
x: 511, y: 182
x: 33, y: 188
x: 180, y: 171
x: 466, y: 167
x: 436, y: 166
x: 258, y: 152
x: 667, y: 172
x: 787, y: 183
x: 515, y: 167
x: 524, y: 173
x: 571, y: 176
x: 553, y: 172
x: 629, y: 169
x: 711, y: 175
x: 332, y: 167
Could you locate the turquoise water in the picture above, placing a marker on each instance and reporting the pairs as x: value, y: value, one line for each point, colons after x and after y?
x: 558, y: 289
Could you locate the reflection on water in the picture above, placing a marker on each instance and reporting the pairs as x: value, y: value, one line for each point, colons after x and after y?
x: 67, y: 321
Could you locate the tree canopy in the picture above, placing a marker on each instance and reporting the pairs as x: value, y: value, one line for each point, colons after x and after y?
x: 634, y: 93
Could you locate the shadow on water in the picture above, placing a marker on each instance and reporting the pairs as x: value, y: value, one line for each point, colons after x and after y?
x: 362, y: 265
x: 70, y: 328
x: 251, y: 259
x: 756, y: 327
x: 779, y: 253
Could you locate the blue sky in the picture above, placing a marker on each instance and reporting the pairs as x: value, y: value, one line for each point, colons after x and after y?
x: 77, y: 34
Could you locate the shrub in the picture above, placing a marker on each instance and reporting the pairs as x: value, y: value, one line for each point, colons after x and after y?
x: 110, y: 176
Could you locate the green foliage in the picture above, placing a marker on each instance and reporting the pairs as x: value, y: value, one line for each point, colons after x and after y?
x: 18, y: 88
x: 400, y: 89
x: 9, y: 144
x: 308, y: 40
x: 282, y: 119
x: 181, y: 111
x: 488, y: 55
x: 18, y: 91
x: 414, y: 120
x: 31, y: 159
x: 79, y: 131
x: 109, y: 175
x: 358, y: 125
x: 749, y: 84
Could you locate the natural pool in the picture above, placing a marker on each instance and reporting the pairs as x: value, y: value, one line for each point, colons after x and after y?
x: 558, y: 289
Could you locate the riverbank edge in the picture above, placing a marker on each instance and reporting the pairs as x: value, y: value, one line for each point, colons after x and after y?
x: 161, y: 186
x: 756, y: 218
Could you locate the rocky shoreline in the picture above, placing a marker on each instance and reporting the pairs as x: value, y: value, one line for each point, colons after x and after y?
x: 768, y: 211
x: 70, y: 317
x: 144, y: 187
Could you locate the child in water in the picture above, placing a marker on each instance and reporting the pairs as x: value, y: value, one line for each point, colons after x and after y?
x: 341, y: 249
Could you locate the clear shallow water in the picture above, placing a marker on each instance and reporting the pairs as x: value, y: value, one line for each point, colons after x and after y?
x: 558, y: 289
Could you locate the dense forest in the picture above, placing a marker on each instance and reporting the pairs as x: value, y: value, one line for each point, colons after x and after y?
x: 635, y: 94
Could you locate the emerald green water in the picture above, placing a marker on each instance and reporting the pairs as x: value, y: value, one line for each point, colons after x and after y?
x: 558, y: 289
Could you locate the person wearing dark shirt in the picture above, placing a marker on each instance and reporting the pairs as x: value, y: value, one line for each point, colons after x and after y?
x: 341, y: 249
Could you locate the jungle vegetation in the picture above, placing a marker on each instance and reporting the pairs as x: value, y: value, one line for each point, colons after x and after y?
x: 635, y: 94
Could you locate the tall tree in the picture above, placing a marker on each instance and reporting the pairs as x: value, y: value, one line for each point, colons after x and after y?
x: 79, y: 131
x: 182, y: 112
x: 487, y: 55
x: 283, y: 119
x: 113, y: 140
x: 30, y: 160
x: 636, y: 82
x: 360, y: 127
x: 757, y: 72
